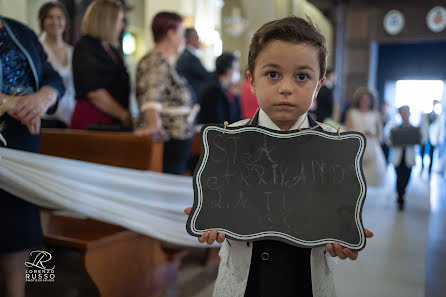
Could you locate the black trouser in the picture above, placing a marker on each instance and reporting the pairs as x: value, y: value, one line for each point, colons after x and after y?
x: 176, y: 155
x: 431, y: 155
x: 385, y: 149
x: 402, y: 179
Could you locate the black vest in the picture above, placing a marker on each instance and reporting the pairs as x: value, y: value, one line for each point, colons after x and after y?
x: 277, y: 268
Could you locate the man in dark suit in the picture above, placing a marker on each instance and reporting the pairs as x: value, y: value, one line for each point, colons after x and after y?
x: 324, y: 99
x: 218, y: 103
x: 189, y: 65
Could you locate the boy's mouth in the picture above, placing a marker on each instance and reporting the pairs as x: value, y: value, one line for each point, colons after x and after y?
x: 284, y: 104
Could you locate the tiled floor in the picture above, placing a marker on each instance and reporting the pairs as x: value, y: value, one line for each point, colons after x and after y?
x: 436, y: 259
x: 393, y: 262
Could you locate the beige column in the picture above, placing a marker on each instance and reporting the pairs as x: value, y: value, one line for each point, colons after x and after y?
x: 16, y: 9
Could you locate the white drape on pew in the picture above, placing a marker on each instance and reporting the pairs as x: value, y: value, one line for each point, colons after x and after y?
x: 149, y: 203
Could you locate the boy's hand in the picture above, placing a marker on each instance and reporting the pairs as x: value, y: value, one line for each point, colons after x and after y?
x: 336, y: 250
x: 208, y: 237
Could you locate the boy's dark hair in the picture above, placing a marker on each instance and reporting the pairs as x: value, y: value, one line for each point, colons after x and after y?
x: 291, y: 29
x: 224, y: 62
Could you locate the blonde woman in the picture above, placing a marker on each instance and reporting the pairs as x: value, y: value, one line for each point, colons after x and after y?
x: 364, y: 118
x: 53, y: 24
x: 101, y: 80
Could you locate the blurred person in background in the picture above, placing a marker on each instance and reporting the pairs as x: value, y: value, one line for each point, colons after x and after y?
x: 165, y: 101
x: 437, y: 133
x: 101, y: 80
x: 432, y: 133
x: 53, y: 23
x: 324, y: 100
x: 403, y: 158
x: 442, y: 148
x: 29, y: 87
x: 218, y: 104
x: 363, y: 117
x: 386, y: 118
x: 189, y: 65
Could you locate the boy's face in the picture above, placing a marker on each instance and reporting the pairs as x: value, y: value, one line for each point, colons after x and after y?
x: 286, y: 80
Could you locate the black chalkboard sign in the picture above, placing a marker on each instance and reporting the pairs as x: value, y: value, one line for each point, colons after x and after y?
x: 410, y: 135
x: 302, y: 187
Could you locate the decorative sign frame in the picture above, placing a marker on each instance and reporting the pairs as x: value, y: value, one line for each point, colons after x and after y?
x: 305, y: 188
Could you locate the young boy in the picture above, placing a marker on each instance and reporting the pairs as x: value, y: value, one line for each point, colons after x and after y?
x: 287, y: 60
x: 403, y: 159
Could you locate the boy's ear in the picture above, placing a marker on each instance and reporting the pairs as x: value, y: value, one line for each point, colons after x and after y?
x: 251, y: 82
x: 319, y: 84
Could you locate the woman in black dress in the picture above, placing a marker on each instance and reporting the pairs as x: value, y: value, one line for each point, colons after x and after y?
x: 25, y: 74
x: 101, y: 81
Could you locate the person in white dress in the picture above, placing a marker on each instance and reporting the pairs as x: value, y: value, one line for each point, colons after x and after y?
x: 53, y: 23
x: 363, y: 117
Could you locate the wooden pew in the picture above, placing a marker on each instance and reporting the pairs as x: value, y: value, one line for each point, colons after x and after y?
x: 120, y: 262
x: 195, y: 151
x: 196, y: 146
x: 109, y: 148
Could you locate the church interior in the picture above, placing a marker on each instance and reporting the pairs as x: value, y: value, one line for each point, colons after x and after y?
x: 107, y: 201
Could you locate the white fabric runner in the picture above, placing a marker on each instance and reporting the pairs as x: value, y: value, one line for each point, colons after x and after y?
x: 149, y: 203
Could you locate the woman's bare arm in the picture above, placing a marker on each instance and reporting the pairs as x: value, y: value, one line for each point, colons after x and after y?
x: 107, y: 104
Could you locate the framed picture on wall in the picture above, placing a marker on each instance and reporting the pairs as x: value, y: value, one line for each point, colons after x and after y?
x: 436, y: 19
x: 393, y: 22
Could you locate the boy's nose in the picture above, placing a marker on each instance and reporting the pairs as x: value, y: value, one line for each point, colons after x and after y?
x: 286, y: 87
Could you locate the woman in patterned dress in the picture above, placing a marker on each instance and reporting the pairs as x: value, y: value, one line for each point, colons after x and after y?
x: 164, y: 98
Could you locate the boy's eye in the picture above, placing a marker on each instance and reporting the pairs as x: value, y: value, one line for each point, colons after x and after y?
x: 302, y: 76
x: 272, y: 74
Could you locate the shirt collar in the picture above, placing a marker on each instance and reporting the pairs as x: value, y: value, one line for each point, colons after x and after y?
x: 193, y: 50
x: 265, y: 121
